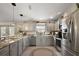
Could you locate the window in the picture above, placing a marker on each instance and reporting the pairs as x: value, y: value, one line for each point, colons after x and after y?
x: 11, y: 31
x: 40, y: 27
x: 3, y: 32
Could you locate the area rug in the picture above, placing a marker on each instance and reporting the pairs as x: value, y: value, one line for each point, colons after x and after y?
x: 43, y: 52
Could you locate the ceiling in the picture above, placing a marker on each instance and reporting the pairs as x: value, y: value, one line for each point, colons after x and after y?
x: 35, y: 11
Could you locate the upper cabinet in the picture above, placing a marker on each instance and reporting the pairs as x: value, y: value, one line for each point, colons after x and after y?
x: 53, y: 26
x: 57, y: 25
x: 50, y: 26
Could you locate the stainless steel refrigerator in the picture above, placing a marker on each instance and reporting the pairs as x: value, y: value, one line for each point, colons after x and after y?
x: 71, y: 42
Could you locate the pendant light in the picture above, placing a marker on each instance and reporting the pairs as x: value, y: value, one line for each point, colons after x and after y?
x: 21, y: 22
x: 13, y: 4
x: 29, y: 7
x: 21, y: 15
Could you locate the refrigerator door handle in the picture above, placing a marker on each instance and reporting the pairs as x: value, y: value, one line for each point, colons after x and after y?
x: 70, y: 31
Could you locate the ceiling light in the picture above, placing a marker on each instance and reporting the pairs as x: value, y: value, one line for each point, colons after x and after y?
x: 40, y: 18
x: 59, y: 13
x: 26, y: 28
x: 51, y: 17
x: 21, y: 15
x: 13, y: 4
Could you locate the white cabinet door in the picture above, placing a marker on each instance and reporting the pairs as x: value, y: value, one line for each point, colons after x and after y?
x: 27, y: 42
x: 20, y: 48
x: 24, y: 42
x: 39, y: 41
x: 13, y: 49
x: 44, y: 40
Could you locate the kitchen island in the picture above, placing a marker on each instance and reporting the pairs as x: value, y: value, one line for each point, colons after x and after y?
x: 13, y: 46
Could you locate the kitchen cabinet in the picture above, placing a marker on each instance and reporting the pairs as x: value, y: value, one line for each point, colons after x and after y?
x: 13, y: 49
x: 27, y: 42
x: 44, y: 40
x: 4, y: 51
x: 50, y: 27
x: 24, y: 43
x: 20, y: 47
x: 39, y: 40
x: 32, y: 41
x: 56, y: 25
x: 50, y: 40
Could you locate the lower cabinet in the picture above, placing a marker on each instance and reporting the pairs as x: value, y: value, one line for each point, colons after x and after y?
x: 16, y: 48
x: 13, y: 49
x: 44, y: 40
x: 20, y: 47
x: 49, y: 40
x: 4, y: 51
x: 32, y: 41
x: 27, y: 42
x: 24, y: 43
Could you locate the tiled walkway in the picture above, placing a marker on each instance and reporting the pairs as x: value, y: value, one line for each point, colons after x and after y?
x: 41, y: 51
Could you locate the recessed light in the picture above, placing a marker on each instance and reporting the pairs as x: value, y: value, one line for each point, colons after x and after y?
x: 59, y: 13
x: 51, y: 17
x: 40, y: 18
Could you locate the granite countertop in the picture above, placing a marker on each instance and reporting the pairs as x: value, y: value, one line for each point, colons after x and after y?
x: 44, y: 35
x: 9, y: 41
